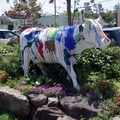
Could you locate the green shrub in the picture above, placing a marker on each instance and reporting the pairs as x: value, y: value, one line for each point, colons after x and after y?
x: 7, y: 116
x: 105, y: 62
x: 11, y: 62
x: 98, y: 70
x: 10, y: 27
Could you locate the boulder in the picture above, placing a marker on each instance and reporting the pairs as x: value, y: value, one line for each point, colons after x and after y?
x: 38, y: 100
x: 41, y: 107
x: 13, y: 101
x: 116, y: 118
x: 48, y: 113
x: 78, y: 107
x: 66, y: 118
x: 52, y: 102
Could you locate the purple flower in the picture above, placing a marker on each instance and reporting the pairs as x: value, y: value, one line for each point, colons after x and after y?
x: 56, y: 90
x: 21, y: 84
x: 91, y: 94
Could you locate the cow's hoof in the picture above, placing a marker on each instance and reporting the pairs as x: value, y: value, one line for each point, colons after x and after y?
x: 78, y: 87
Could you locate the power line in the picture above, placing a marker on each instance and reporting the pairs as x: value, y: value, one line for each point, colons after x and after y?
x: 43, y: 3
x: 103, y: 1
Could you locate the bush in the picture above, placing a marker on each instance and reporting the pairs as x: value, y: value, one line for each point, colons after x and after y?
x: 104, y: 62
x: 10, y: 27
x: 94, y: 67
x: 11, y: 60
x: 98, y: 70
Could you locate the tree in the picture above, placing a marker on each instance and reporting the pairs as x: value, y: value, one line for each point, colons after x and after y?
x: 26, y: 9
x: 109, y: 16
x: 117, y: 7
x: 69, y: 12
x: 98, y: 8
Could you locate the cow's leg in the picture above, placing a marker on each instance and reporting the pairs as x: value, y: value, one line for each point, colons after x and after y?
x: 72, y: 74
x: 26, y: 61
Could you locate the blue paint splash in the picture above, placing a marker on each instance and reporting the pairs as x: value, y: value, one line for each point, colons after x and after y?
x: 69, y: 40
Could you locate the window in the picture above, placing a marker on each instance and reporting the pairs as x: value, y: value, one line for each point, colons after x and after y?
x: 8, y: 34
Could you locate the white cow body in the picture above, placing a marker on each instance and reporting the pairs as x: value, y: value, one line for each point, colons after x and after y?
x: 60, y: 45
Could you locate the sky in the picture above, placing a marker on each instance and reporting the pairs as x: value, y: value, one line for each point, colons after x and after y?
x: 60, y: 5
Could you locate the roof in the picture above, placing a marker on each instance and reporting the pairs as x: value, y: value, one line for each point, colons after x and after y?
x: 4, y: 30
x: 111, y: 29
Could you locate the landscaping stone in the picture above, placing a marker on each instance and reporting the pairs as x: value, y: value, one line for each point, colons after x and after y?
x: 116, y: 118
x: 66, y: 118
x: 39, y: 100
x: 41, y: 107
x: 13, y: 101
x: 78, y: 107
x: 48, y: 113
x: 52, y: 102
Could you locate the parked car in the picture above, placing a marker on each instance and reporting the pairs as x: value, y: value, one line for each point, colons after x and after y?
x: 114, y: 34
x: 7, y: 35
x: 16, y: 32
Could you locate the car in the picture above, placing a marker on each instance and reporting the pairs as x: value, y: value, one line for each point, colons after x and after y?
x: 7, y: 35
x: 16, y: 32
x: 114, y: 34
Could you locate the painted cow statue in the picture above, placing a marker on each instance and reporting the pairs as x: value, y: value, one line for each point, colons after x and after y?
x: 61, y: 45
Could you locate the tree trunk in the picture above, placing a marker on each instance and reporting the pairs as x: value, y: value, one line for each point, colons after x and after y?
x: 69, y: 12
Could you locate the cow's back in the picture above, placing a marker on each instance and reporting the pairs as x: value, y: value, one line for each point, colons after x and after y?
x: 41, y: 43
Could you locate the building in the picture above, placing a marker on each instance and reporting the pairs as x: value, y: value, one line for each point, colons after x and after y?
x: 44, y: 21
x: 50, y: 20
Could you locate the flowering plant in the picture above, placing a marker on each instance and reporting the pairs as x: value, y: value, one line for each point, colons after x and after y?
x: 45, y: 89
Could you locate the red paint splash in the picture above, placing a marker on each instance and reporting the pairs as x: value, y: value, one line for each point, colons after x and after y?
x: 28, y: 29
x: 40, y: 49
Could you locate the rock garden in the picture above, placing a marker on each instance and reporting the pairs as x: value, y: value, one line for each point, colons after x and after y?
x: 36, y: 97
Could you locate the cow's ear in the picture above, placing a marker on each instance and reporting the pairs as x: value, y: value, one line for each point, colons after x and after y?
x: 82, y: 17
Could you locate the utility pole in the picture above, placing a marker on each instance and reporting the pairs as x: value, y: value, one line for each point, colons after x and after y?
x: 55, y: 13
x: 69, y: 12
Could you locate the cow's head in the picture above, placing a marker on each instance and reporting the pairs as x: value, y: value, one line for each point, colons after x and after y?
x: 92, y: 33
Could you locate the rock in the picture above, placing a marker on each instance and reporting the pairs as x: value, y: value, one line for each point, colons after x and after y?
x: 48, y: 113
x: 78, y: 107
x: 66, y: 118
x: 39, y: 100
x: 52, y: 102
x: 32, y: 111
x: 13, y: 101
x: 41, y: 107
x: 116, y: 118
